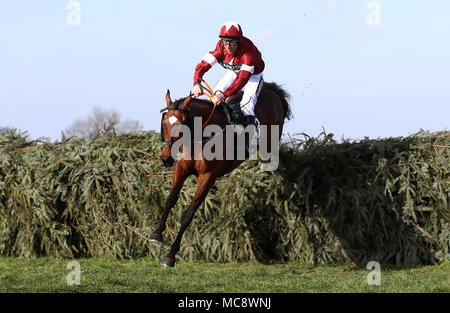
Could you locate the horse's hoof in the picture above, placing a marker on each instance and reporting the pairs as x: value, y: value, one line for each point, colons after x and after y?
x: 156, y: 237
x: 168, y: 262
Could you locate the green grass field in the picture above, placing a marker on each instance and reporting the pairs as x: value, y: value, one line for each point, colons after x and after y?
x: 144, y: 275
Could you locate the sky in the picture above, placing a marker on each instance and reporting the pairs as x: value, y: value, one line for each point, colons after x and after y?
x: 356, y: 68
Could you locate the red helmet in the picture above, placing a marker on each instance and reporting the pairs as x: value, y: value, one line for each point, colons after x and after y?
x: 231, y: 29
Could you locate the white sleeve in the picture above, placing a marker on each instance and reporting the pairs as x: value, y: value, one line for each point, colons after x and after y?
x: 247, y: 68
x: 210, y: 59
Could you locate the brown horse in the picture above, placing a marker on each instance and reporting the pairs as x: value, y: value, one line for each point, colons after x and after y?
x: 271, y: 108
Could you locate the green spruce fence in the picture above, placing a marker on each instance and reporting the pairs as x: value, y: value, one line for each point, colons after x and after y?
x: 385, y: 200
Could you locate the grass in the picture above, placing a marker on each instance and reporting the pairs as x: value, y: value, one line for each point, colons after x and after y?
x: 148, y: 276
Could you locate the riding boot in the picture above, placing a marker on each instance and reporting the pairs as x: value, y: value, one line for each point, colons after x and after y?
x: 250, y: 120
x: 236, y: 112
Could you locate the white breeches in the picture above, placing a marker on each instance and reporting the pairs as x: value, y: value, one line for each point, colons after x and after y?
x: 250, y: 90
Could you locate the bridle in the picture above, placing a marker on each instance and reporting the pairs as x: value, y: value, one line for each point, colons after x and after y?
x: 209, y: 93
x: 188, y: 122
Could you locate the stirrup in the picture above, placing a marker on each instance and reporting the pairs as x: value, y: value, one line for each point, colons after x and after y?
x: 251, y: 120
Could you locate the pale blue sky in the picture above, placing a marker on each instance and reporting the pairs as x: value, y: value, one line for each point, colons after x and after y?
x: 353, y: 79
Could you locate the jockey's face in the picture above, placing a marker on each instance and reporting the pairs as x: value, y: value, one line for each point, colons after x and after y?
x: 230, y: 46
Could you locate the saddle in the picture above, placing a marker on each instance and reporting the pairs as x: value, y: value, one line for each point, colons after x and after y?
x: 237, y: 97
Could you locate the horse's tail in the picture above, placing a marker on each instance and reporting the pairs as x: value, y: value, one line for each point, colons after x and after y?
x: 284, y: 96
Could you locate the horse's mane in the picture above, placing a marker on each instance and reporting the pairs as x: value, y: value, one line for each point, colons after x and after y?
x: 284, y: 96
x: 193, y: 100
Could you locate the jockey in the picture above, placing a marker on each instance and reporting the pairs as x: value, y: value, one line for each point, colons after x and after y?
x: 244, y: 65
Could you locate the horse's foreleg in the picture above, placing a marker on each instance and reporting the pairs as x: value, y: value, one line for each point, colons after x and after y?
x: 205, y: 182
x: 179, y: 177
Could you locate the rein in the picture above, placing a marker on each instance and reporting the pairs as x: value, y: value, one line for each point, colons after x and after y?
x: 170, y: 142
x: 210, y: 95
x: 207, y: 91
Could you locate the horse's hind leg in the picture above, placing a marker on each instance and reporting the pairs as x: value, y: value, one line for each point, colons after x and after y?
x: 179, y: 177
x: 205, y: 182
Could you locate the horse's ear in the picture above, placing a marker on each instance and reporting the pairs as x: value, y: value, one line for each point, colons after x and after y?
x: 168, y: 100
x: 186, y: 102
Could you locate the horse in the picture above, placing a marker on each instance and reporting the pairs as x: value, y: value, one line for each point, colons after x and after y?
x: 272, y: 108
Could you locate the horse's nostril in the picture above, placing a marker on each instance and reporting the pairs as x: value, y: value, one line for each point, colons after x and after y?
x: 167, y: 162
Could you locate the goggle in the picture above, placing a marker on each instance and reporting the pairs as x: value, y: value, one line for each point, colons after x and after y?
x: 228, y: 42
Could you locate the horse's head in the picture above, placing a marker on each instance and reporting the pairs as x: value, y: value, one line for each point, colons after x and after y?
x: 177, y: 114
